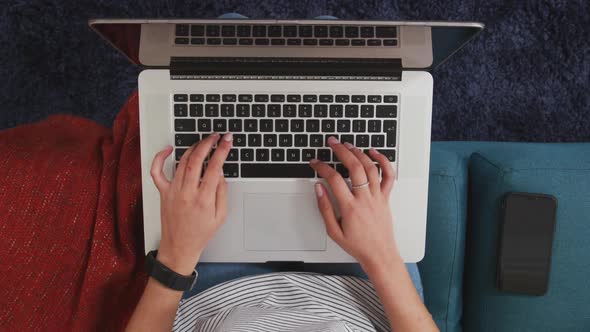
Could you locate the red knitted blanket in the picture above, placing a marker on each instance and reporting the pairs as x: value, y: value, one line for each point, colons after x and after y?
x: 71, y: 237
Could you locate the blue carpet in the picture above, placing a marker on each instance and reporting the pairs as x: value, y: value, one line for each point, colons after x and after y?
x: 525, y: 78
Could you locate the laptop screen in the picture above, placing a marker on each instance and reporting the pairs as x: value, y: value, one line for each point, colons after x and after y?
x: 417, y: 45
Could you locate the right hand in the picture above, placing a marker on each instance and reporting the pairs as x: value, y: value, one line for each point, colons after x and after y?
x: 365, y: 229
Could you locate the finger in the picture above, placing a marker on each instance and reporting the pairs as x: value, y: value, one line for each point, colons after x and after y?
x: 388, y: 174
x: 327, y: 211
x: 350, y: 161
x: 180, y: 170
x: 336, y: 182
x: 195, y: 162
x: 157, y: 171
x: 221, y: 200
x: 370, y: 168
x: 214, y: 171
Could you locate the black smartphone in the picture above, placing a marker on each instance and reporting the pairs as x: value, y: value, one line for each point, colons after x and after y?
x: 526, y: 239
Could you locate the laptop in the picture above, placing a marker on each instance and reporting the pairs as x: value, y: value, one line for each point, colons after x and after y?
x: 282, y: 87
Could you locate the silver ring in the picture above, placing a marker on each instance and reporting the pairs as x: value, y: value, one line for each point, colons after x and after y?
x: 362, y: 185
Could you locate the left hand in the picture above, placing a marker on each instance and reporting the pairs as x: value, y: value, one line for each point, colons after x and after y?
x: 192, y: 209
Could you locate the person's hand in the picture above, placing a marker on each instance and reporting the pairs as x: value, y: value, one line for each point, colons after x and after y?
x: 192, y: 209
x: 365, y: 229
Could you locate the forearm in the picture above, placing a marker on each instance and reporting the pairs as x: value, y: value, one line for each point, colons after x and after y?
x: 156, y: 309
x: 399, y: 297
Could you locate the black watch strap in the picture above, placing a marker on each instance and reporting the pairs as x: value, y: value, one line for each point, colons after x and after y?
x: 166, y: 276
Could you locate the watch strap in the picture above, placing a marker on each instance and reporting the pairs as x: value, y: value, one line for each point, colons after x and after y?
x: 167, y: 276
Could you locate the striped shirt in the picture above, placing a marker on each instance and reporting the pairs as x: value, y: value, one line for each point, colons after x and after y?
x: 284, y: 302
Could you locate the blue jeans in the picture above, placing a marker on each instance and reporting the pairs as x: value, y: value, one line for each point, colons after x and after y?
x: 211, y: 274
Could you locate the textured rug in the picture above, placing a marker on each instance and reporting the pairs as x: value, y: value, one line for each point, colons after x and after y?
x: 525, y: 78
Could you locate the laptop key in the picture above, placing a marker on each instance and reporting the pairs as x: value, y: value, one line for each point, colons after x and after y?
x: 266, y: 125
x: 254, y: 140
x: 342, y: 98
x: 390, y: 132
x: 297, y: 125
x: 228, y: 31
x: 243, y: 31
x: 389, y: 42
x: 289, y: 110
x: 197, y: 41
x: 281, y: 125
x: 230, y: 41
x: 186, y: 139
x: 386, y: 111
x: 204, y: 125
x: 351, y: 32
x: 227, y: 110
x: 243, y: 110
x: 230, y: 170
x: 367, y: 32
x: 277, y: 155
x: 342, y: 170
x: 196, y: 110
x: 197, y: 98
x: 320, y: 111
x: 285, y: 140
x: 293, y: 155
x: 328, y: 126
x: 324, y: 154
x: 220, y: 125
x: 250, y: 125
x: 275, y: 31
x: 239, y: 140
x: 294, y: 98
x: 343, y: 126
x: 262, y: 155
x: 307, y: 154
x: 310, y: 42
x: 270, y: 140
x: 326, y: 42
x: 180, y: 98
x: 342, y: 42
x: 359, y: 126
x: 378, y: 141
x: 273, y: 170
x: 305, y: 31
x: 261, y: 98
x: 180, y: 110
x: 336, y: 31
x: 290, y: 31
x: 259, y: 31
x: 277, y: 98
x: 326, y: 98
x: 179, y: 152
x: 362, y: 141
x: 336, y: 111
x: 385, y: 32
x: 260, y: 41
x: 312, y: 126
x: 390, y: 154
x: 347, y: 138
x: 182, y: 29
x: 213, y: 98
x: 213, y: 30
x: 374, y: 99
x: 367, y: 111
x: 247, y: 154
x: 277, y: 42
x: 274, y: 110
x: 320, y: 31
x: 233, y: 155
x: 351, y: 111
x: 258, y: 110
x: 316, y: 140
x: 246, y: 41
x: 213, y: 41
x: 184, y: 125
x: 358, y: 99
x: 235, y: 125
x: 373, y: 42
x: 300, y: 140
x: 357, y: 42
x: 305, y: 111
x: 374, y: 126
x: 293, y: 41
x: 212, y: 110
x: 310, y: 98
x: 390, y: 99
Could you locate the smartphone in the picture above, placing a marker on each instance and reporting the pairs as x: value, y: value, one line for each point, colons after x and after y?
x: 526, y: 239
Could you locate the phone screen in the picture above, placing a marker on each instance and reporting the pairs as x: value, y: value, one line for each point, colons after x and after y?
x: 526, y: 241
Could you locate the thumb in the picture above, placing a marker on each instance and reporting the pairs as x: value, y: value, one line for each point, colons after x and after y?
x: 327, y: 211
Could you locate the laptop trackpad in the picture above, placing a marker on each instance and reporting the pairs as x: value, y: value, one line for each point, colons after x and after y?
x: 283, y: 222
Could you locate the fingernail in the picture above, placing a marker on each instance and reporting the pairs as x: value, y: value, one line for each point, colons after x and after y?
x: 228, y: 137
x: 348, y: 145
x: 314, y: 161
x: 167, y: 147
x: 215, y: 135
x: 318, y: 190
x: 332, y: 140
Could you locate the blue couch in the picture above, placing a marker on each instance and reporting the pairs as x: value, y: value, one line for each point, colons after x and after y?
x: 467, y: 181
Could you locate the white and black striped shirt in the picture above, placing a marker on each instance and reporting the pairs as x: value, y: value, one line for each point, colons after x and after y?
x: 284, y: 302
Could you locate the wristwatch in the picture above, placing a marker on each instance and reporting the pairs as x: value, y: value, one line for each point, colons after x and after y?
x: 166, y: 276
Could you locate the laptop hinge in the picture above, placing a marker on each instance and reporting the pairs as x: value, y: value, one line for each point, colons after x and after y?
x: 232, y: 68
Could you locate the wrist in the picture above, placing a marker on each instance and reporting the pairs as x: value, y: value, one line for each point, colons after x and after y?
x: 378, y: 266
x: 181, y: 265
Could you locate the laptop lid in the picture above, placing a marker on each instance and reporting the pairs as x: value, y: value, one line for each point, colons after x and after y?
x: 314, y: 48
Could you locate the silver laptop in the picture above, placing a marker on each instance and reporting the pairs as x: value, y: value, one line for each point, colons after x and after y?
x: 282, y: 87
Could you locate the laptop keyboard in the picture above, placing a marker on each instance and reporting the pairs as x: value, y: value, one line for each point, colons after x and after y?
x: 285, y: 35
x: 276, y: 135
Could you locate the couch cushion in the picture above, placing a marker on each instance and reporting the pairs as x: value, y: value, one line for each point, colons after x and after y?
x: 562, y: 170
x: 442, y: 266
